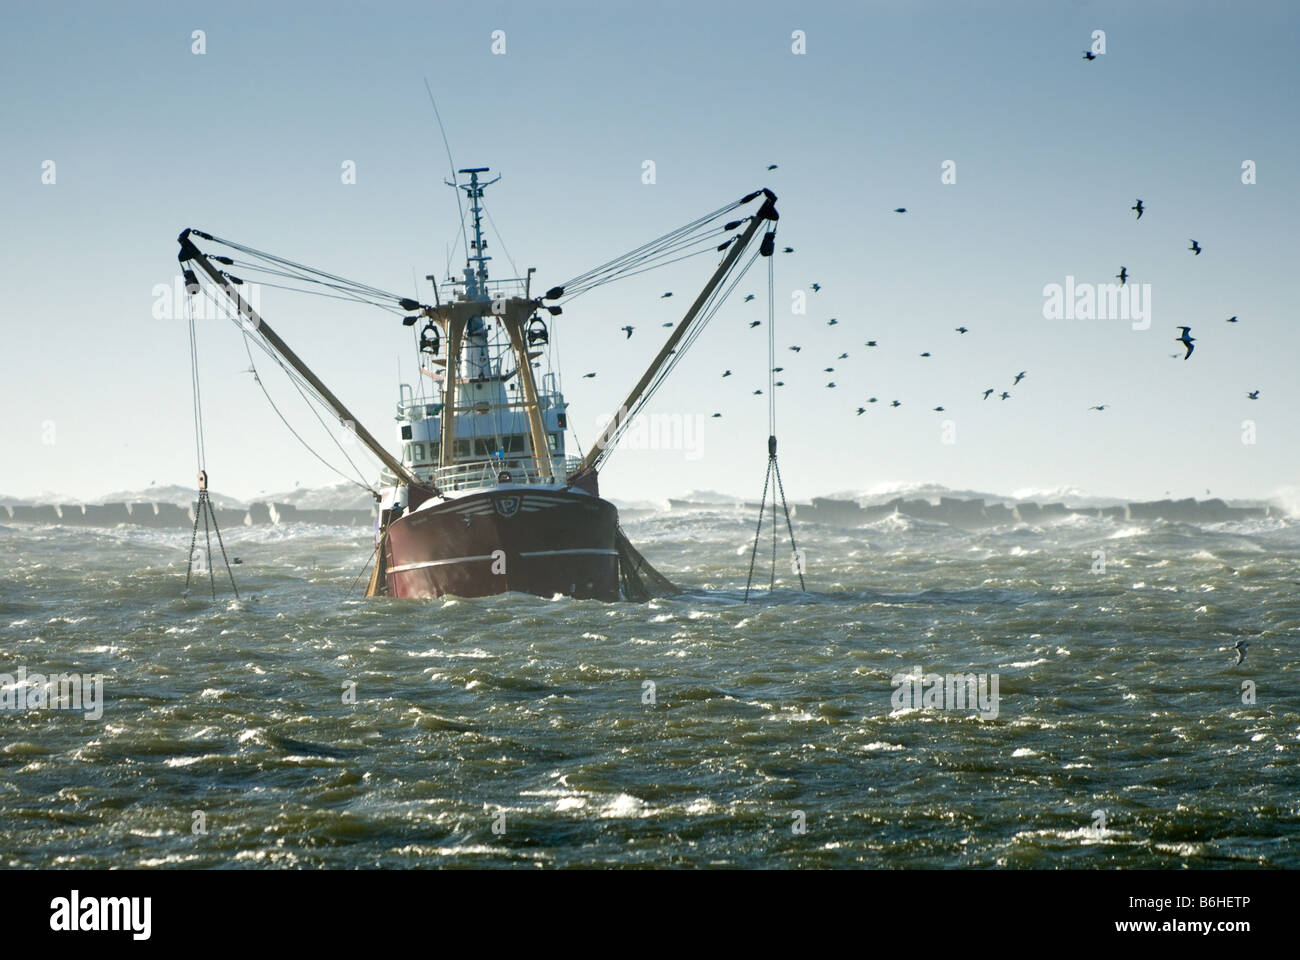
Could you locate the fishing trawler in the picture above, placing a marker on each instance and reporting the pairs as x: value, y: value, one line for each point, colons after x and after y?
x: 485, y: 497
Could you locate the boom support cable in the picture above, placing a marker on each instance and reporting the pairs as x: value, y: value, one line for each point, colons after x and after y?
x: 773, y: 472
x: 203, y: 508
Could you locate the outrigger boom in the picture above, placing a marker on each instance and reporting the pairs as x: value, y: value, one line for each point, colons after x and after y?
x: 190, y: 252
x: 604, y: 443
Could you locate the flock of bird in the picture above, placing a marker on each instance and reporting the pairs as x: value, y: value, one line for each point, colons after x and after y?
x: 1185, y: 335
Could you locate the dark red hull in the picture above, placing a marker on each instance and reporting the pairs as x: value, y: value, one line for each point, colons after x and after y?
x: 540, y: 541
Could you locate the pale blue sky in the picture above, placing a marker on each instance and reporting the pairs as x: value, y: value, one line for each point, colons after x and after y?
x: 247, y: 140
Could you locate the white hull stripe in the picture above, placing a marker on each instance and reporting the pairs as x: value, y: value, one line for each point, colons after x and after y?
x: 436, y: 563
x: 537, y: 553
x: 598, y: 552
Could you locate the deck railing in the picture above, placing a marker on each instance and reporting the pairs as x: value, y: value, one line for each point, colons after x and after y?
x: 475, y: 474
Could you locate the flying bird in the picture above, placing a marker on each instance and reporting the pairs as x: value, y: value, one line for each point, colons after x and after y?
x: 895, y: 403
x: 1186, y: 340
x: 1089, y: 55
x: 628, y: 330
x: 938, y: 409
x: 1254, y: 395
x: 754, y: 323
x: 1019, y: 376
x: 962, y: 330
x: 749, y: 298
x: 716, y: 415
x: 1232, y: 319
x: 900, y: 209
x: 787, y: 249
x: 778, y: 369
x: 771, y: 166
x: 757, y: 392
x: 831, y: 384
x: 1240, y: 647
x: 726, y: 373
x: 831, y: 322
x: 668, y: 324
x: 1195, y: 248
x: 842, y: 356
x: 988, y: 393
x: 587, y: 376
x: 1122, y: 276
x: 861, y: 411
x: 1101, y: 406
x: 1139, y: 208
x: 828, y: 369
x: 871, y: 399
x: 926, y: 354
x: 816, y: 287
x: 871, y: 343
x: 796, y: 349
x: 666, y: 295
x: 1005, y: 395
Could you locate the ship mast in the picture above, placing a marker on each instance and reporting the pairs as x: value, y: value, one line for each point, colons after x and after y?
x: 463, y: 321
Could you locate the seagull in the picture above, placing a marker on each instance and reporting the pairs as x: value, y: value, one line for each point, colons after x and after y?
x: 587, y: 376
x: 749, y: 298
x: 816, y: 287
x: 628, y: 330
x: 962, y: 330
x: 1089, y: 55
x: 1005, y: 395
x: 1122, y: 276
x: 666, y: 295
x: 726, y: 373
x: 1195, y: 248
x: 1139, y: 208
x: 988, y: 393
x: 895, y: 403
x: 754, y: 323
x: 1098, y: 407
x: 900, y: 209
x: 1019, y: 376
x: 1240, y: 647
x: 1232, y: 319
x: 1186, y: 340
x: 1253, y: 395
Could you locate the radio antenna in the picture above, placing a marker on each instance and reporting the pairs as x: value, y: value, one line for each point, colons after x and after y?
x: 450, y: 162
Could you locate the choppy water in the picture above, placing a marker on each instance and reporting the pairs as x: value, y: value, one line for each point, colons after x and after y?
x: 1117, y: 694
